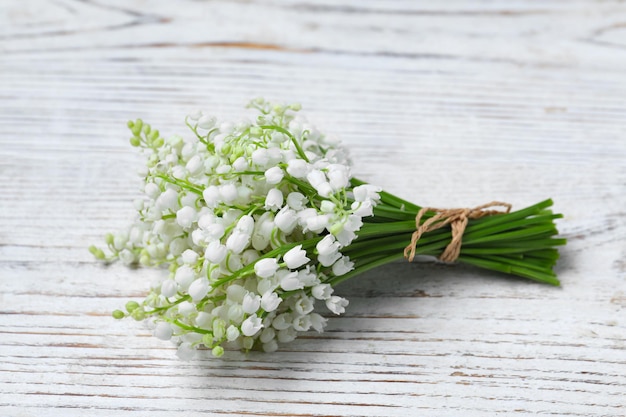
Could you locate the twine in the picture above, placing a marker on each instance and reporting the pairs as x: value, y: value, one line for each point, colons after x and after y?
x: 457, y: 219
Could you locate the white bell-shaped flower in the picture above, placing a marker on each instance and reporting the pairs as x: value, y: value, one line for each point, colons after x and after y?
x: 322, y: 291
x: 295, y: 257
x: 237, y: 241
x: 270, y: 301
x: 317, y: 322
x: 228, y: 193
x: 328, y: 206
x: 211, y: 196
x: 199, y: 289
x: 235, y: 313
x: 152, y: 190
x: 168, y: 288
x: 163, y: 330
x: 241, y: 164
x: 286, y: 220
x: 317, y: 223
x: 274, y: 199
x: 324, y: 189
x: 290, y: 282
x: 296, y: 200
x: 186, y: 216
x: 303, y: 306
x: 186, y: 308
x: 338, y: 176
x: 249, y: 256
x: 308, y: 276
x: 215, y: 231
x: 263, y: 231
x: 343, y: 266
x: 245, y: 224
x: 195, y: 165
x: 184, y: 276
x: 328, y: 245
x: 345, y: 237
x: 215, y: 252
x: 185, y: 352
x: 362, y: 208
x: 337, y: 305
x: 189, y: 257
x: 260, y: 157
x: 287, y: 335
x: 232, y: 333
x: 353, y: 223
x: 268, y: 334
x: 168, y: 200
x: 298, y: 168
x: 251, y: 303
x: 251, y: 325
x: 282, y: 321
x: 206, y: 122
x: 235, y: 293
x: 274, y: 175
x: 366, y: 192
x: 301, y: 323
x: 316, y: 177
x: 265, y: 268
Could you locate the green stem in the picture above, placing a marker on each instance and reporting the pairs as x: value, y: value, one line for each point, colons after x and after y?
x: 521, y: 243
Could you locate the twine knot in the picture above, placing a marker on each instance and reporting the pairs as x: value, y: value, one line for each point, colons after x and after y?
x: 457, y: 219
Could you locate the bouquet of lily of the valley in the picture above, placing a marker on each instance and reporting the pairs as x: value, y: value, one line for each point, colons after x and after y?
x: 259, y: 221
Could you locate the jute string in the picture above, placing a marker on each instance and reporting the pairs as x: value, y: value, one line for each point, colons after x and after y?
x: 457, y: 219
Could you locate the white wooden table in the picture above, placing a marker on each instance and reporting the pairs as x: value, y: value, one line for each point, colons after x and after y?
x: 445, y: 103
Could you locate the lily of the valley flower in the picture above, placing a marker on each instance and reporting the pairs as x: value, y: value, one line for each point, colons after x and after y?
x: 257, y: 220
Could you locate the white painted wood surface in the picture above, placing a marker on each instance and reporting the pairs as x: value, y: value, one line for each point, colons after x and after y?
x: 446, y: 103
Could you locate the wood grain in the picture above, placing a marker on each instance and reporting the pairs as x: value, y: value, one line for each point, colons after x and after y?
x: 446, y: 103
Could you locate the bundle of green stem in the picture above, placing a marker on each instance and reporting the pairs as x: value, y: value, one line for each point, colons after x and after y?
x: 521, y: 243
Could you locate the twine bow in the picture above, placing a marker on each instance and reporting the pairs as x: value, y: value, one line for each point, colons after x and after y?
x: 457, y: 219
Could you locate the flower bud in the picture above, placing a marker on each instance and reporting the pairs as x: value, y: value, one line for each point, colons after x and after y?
x: 217, y: 351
